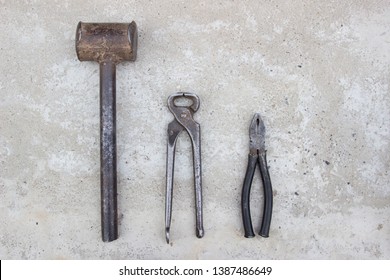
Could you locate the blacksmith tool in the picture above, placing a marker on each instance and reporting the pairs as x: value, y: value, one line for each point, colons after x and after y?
x: 257, y: 154
x: 108, y: 44
x: 184, y: 121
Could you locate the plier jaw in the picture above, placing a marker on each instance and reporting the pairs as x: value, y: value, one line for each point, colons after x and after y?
x: 257, y: 155
x: 256, y: 135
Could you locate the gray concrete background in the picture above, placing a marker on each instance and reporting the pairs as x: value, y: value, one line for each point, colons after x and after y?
x: 317, y: 71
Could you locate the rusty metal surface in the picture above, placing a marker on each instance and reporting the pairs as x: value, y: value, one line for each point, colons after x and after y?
x: 108, y: 44
x: 106, y: 41
x: 184, y: 121
x: 108, y: 178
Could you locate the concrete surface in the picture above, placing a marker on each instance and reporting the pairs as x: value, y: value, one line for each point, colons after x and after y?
x: 317, y: 71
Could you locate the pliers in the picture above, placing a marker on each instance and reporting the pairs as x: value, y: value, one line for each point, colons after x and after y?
x: 257, y: 154
x: 184, y: 121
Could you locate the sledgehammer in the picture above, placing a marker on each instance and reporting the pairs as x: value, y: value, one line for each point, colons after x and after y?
x: 108, y: 44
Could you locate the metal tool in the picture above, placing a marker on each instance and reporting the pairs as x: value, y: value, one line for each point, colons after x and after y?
x: 108, y: 44
x: 184, y: 121
x: 257, y: 154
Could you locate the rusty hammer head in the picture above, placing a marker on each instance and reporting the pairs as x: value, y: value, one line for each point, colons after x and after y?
x: 101, y: 42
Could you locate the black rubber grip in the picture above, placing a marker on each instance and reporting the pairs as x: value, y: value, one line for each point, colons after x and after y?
x: 268, y: 197
x: 245, y: 196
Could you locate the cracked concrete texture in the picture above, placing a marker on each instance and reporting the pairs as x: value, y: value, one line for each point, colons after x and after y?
x: 317, y: 71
